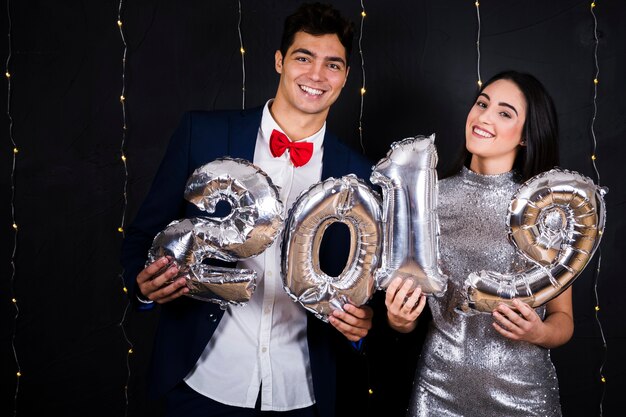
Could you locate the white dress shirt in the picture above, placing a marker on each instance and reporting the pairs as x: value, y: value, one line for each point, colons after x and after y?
x: 263, y: 344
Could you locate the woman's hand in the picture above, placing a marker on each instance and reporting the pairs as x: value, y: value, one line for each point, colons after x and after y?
x: 525, y: 324
x: 404, y: 305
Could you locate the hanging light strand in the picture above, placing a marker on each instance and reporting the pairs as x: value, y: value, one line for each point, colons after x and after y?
x: 597, y: 172
x: 125, y: 199
x: 363, y: 14
x: 480, y: 81
x: 243, y: 62
x: 8, y: 75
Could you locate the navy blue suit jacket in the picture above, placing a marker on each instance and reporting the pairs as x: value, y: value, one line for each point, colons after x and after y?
x: 186, y: 325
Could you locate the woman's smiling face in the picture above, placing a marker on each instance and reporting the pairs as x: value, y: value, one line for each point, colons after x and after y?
x: 493, y: 131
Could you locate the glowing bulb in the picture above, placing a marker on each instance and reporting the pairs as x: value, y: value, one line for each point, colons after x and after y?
x: 119, y: 23
x: 7, y: 74
x: 15, y: 226
x: 18, y: 373
x: 124, y: 158
x: 120, y: 229
x: 125, y: 290
x: 597, y: 308
x: 370, y: 391
x: 595, y: 81
x: 243, y: 51
x: 122, y: 98
x: 593, y: 4
x: 593, y: 157
x: 603, y: 379
x: 13, y: 300
x: 362, y: 90
x: 477, y: 4
x: 480, y: 83
x: 600, y: 232
x: 15, y: 150
x: 130, y: 351
x: 363, y: 13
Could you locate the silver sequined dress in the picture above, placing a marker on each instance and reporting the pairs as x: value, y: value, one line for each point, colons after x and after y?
x: 466, y: 368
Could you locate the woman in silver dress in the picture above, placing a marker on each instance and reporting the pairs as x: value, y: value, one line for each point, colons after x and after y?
x: 481, y: 364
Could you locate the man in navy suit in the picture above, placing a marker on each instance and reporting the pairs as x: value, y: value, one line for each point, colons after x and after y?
x: 269, y: 356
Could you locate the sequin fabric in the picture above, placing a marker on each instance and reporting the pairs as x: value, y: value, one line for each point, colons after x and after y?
x: 466, y: 368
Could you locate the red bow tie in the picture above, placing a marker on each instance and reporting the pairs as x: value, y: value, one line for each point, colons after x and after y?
x: 300, y: 152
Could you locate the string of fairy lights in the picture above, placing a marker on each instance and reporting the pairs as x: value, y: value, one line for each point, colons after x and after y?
x: 243, y: 61
x: 120, y: 229
x: 7, y: 73
x: 363, y: 14
x: 594, y: 158
x: 480, y: 80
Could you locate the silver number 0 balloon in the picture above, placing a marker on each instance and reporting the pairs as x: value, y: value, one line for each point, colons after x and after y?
x: 255, y: 220
x: 350, y: 201
x: 555, y: 220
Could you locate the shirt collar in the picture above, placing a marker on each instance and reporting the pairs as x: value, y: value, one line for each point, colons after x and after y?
x: 268, y: 124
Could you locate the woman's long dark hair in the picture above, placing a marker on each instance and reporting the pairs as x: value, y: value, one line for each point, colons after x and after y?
x: 540, y: 131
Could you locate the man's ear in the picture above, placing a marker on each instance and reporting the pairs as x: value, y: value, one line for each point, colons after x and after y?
x: 278, y: 62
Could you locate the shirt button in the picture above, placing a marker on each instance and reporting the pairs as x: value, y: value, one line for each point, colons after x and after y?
x: 264, y: 350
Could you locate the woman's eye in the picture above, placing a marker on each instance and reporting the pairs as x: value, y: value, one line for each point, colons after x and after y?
x: 481, y: 104
x: 505, y: 114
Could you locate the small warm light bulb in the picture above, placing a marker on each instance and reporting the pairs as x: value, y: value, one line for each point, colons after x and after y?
x: 125, y: 290
x: 480, y: 83
x: 600, y: 232
x: 595, y: 81
x: 593, y: 4
x: 363, y: 13
x: 603, y: 379
x: 243, y: 51
x: 122, y: 98
x: 124, y: 158
x: 597, y: 308
x: 15, y: 226
x: 13, y: 300
x: 7, y: 74
x: 370, y: 391
x: 15, y: 150
x: 130, y: 351
x: 119, y: 23
x: 120, y: 229
x: 362, y: 90
x: 593, y: 157
x: 19, y: 373
x: 477, y: 4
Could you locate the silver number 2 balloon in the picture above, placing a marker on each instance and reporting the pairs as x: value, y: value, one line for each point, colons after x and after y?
x: 555, y: 220
x: 255, y: 220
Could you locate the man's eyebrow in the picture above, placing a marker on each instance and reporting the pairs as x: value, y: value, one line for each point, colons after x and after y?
x: 329, y: 58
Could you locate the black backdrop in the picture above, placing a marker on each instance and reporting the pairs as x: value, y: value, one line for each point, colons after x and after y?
x: 70, y: 330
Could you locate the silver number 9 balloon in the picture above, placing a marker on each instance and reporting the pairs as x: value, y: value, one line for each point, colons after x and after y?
x: 347, y: 200
x: 255, y: 220
x: 408, y: 179
x: 555, y: 220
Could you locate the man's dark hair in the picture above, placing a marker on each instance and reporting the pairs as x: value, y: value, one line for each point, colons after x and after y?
x: 317, y: 19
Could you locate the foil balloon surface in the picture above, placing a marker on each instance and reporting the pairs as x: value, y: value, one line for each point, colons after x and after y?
x: 556, y: 221
x: 408, y: 179
x: 350, y: 201
x: 255, y: 220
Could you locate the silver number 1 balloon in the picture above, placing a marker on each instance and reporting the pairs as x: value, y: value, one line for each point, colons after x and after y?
x: 408, y: 179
